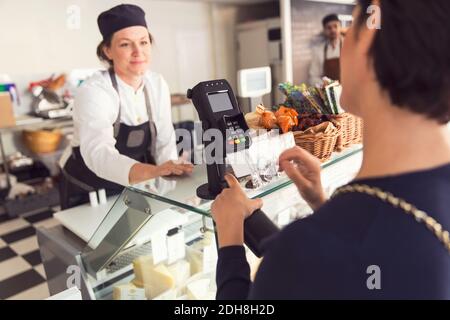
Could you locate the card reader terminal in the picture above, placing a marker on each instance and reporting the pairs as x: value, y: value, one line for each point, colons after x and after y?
x: 217, y: 108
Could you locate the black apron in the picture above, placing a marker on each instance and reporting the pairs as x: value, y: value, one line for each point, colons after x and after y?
x: 332, y: 67
x: 137, y: 142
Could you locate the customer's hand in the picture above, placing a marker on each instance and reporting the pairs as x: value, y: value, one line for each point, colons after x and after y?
x: 304, y: 170
x: 229, y: 211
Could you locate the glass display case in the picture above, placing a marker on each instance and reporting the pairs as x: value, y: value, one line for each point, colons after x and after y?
x: 146, y: 248
x: 158, y: 241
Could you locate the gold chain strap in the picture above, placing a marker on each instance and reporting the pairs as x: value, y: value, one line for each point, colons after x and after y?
x: 387, y: 197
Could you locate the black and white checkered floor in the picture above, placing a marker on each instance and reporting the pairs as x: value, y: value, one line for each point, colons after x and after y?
x: 22, y: 275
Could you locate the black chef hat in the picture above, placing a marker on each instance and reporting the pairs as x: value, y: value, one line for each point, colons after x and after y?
x: 329, y: 18
x: 120, y: 17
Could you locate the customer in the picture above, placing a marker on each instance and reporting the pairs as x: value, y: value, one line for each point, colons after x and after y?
x: 357, y: 246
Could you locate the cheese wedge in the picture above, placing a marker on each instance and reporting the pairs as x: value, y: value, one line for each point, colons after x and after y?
x: 158, y: 280
x: 168, y: 295
x: 181, y: 271
x: 194, y: 253
x: 128, y: 292
x: 198, y: 290
x: 140, y: 266
x: 155, y: 279
x: 210, y: 295
x: 195, y: 258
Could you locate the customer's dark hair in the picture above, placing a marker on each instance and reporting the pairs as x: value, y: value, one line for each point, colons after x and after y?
x: 411, y: 54
x: 106, y: 43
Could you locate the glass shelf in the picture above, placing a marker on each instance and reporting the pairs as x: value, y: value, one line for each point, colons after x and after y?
x: 181, y: 191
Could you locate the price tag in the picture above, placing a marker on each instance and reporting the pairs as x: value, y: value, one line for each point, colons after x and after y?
x: 176, y: 247
x: 209, y: 258
x: 159, y: 247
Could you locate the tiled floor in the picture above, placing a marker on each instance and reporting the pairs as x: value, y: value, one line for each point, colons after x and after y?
x: 22, y: 274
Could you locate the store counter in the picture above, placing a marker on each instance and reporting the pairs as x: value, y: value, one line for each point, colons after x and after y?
x: 94, y: 248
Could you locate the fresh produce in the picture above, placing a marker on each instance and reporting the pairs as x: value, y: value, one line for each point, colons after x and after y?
x: 286, y: 123
x: 287, y: 118
x: 305, y: 107
x: 306, y: 121
x: 268, y: 120
x: 312, y: 100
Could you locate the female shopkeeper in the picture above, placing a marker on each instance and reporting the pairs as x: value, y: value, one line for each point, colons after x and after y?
x: 123, y: 129
x: 357, y: 245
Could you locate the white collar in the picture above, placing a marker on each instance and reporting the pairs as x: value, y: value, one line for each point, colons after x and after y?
x: 338, y: 45
x: 129, y: 88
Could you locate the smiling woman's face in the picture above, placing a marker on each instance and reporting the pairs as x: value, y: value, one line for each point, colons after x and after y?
x: 130, y: 51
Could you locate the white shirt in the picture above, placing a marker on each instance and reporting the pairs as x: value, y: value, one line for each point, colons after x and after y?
x: 316, y: 68
x: 95, y: 111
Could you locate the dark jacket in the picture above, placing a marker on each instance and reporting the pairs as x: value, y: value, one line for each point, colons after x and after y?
x: 352, y: 244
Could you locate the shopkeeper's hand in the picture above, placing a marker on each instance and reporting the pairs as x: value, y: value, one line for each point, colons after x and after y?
x: 304, y: 170
x: 177, y: 168
x: 229, y: 211
x: 143, y: 171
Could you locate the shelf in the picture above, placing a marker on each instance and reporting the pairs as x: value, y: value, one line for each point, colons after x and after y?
x: 34, y: 123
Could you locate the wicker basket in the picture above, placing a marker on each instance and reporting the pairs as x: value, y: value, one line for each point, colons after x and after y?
x: 351, y: 128
x: 320, y: 140
x: 42, y: 141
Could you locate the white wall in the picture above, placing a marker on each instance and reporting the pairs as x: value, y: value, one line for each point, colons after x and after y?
x: 36, y: 39
x: 224, y: 34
